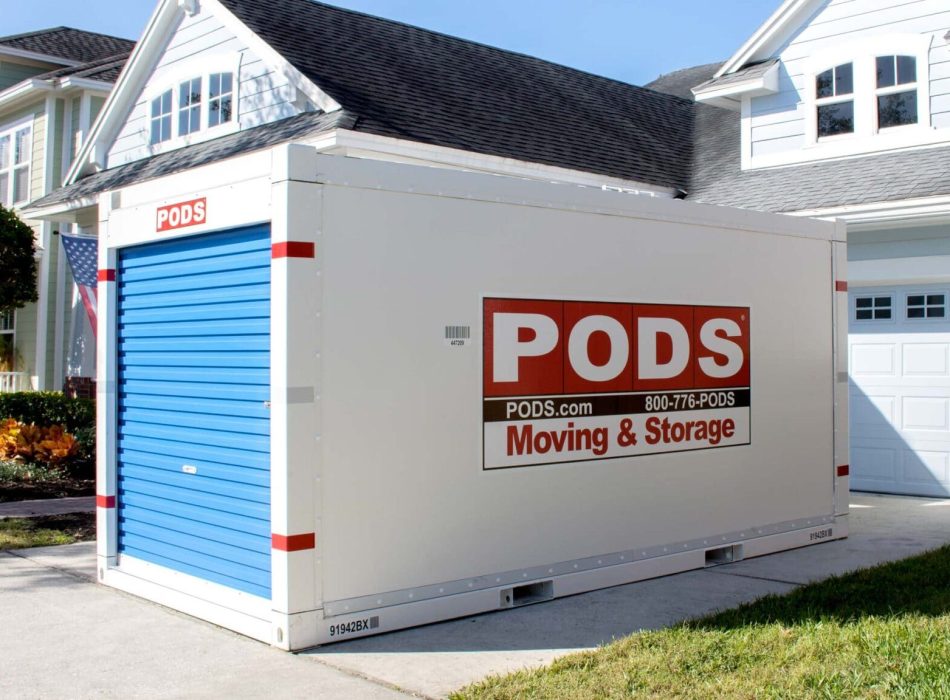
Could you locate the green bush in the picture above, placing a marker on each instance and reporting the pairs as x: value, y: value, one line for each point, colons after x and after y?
x: 46, y: 408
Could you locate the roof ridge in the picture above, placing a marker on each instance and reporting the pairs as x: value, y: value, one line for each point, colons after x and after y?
x: 35, y: 32
x: 473, y: 42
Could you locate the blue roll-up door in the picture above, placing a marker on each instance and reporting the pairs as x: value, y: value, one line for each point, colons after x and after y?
x: 193, y: 420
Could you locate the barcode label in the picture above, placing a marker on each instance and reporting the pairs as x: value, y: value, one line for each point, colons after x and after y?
x: 457, y: 336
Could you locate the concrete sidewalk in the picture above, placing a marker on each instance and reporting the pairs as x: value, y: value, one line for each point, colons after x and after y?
x: 63, y: 636
x: 48, y: 506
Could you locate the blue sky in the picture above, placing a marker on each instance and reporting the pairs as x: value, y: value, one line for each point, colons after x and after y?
x: 631, y: 40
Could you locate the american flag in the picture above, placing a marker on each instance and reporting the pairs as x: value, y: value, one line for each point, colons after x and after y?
x: 83, y: 255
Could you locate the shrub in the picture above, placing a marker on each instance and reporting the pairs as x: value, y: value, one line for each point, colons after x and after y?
x: 46, y: 408
x: 49, y: 445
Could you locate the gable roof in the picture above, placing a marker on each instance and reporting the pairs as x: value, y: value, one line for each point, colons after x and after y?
x: 72, y: 45
x: 768, y: 37
x: 410, y: 83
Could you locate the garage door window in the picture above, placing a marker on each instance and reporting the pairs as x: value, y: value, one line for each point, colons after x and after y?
x: 872, y: 308
x: 923, y: 306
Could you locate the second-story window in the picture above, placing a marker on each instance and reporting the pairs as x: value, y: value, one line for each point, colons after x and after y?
x: 15, y: 166
x: 896, y: 91
x: 161, y: 118
x: 834, y: 93
x: 220, y: 98
x: 189, y: 106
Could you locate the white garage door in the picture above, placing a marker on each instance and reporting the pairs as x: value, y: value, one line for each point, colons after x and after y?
x: 899, y: 350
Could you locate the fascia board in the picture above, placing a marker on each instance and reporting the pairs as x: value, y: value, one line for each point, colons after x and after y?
x: 22, y: 91
x: 782, y: 21
x: 876, y: 214
x: 136, y: 70
x: 86, y: 84
x: 765, y: 84
x: 61, y: 210
x: 270, y: 55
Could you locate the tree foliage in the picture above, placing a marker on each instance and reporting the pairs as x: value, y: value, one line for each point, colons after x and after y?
x: 17, y: 262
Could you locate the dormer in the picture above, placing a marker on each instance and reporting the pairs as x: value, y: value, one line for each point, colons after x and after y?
x: 828, y: 79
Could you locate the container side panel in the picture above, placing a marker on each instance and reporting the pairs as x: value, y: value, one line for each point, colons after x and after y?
x: 406, y: 500
x: 193, y: 428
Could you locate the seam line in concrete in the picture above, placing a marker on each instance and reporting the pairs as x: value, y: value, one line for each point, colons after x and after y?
x: 757, y: 578
x: 362, y: 676
x: 68, y: 572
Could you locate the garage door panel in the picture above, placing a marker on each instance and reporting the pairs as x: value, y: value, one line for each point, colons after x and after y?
x: 193, y: 427
x: 900, y: 396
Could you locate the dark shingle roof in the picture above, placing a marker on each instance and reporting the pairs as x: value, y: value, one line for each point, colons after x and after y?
x: 105, y: 69
x: 682, y: 82
x: 410, y: 83
x: 718, y: 178
x: 199, y: 154
x: 69, y: 44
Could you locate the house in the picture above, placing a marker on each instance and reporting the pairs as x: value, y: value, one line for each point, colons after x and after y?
x: 836, y: 109
x: 841, y: 110
x: 53, y: 83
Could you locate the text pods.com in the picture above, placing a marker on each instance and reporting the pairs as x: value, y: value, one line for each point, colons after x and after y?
x: 570, y: 381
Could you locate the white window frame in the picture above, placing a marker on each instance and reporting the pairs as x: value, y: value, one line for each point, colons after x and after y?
x: 11, y: 331
x: 834, y: 99
x: 905, y: 311
x: 896, y: 89
x: 873, y: 295
x: 862, y: 54
x: 11, y: 130
x: 170, y: 115
x: 199, y: 68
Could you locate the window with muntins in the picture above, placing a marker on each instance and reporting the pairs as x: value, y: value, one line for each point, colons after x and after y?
x: 896, y: 91
x: 220, y: 98
x: 15, y: 146
x: 189, y: 106
x: 161, y: 118
x: 834, y: 93
x: 873, y: 308
x: 923, y: 306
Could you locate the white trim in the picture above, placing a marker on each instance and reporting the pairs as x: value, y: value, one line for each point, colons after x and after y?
x: 101, y: 86
x: 42, y: 309
x: 867, y: 216
x: 11, y: 130
x: 863, y: 275
x: 768, y: 35
x: 726, y: 95
x: 59, y: 324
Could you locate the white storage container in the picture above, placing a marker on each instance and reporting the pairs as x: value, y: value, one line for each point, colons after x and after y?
x: 341, y: 397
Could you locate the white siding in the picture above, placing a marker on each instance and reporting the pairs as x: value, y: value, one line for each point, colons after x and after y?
x: 264, y: 95
x: 778, y: 121
x: 908, y: 242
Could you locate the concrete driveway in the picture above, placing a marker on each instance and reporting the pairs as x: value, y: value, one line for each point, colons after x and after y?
x: 63, y: 636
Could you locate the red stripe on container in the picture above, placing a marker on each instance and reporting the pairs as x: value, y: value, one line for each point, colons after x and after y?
x: 841, y: 286
x: 293, y: 249
x: 293, y: 543
x: 107, y: 275
x: 105, y: 501
x: 844, y: 470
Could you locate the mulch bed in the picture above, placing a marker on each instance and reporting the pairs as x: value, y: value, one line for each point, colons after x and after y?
x: 47, y: 488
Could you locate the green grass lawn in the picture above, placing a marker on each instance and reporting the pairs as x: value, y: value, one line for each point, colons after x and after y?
x: 878, y: 633
x: 45, y: 531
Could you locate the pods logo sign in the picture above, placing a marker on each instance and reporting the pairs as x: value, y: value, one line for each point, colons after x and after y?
x: 572, y: 380
x: 181, y: 215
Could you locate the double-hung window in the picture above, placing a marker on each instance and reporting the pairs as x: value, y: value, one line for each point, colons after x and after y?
x: 15, y: 165
x: 161, y: 118
x: 834, y: 99
x: 189, y: 106
x: 896, y: 91
x: 220, y: 98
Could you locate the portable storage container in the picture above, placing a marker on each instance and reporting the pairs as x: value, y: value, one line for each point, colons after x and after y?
x: 341, y: 397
